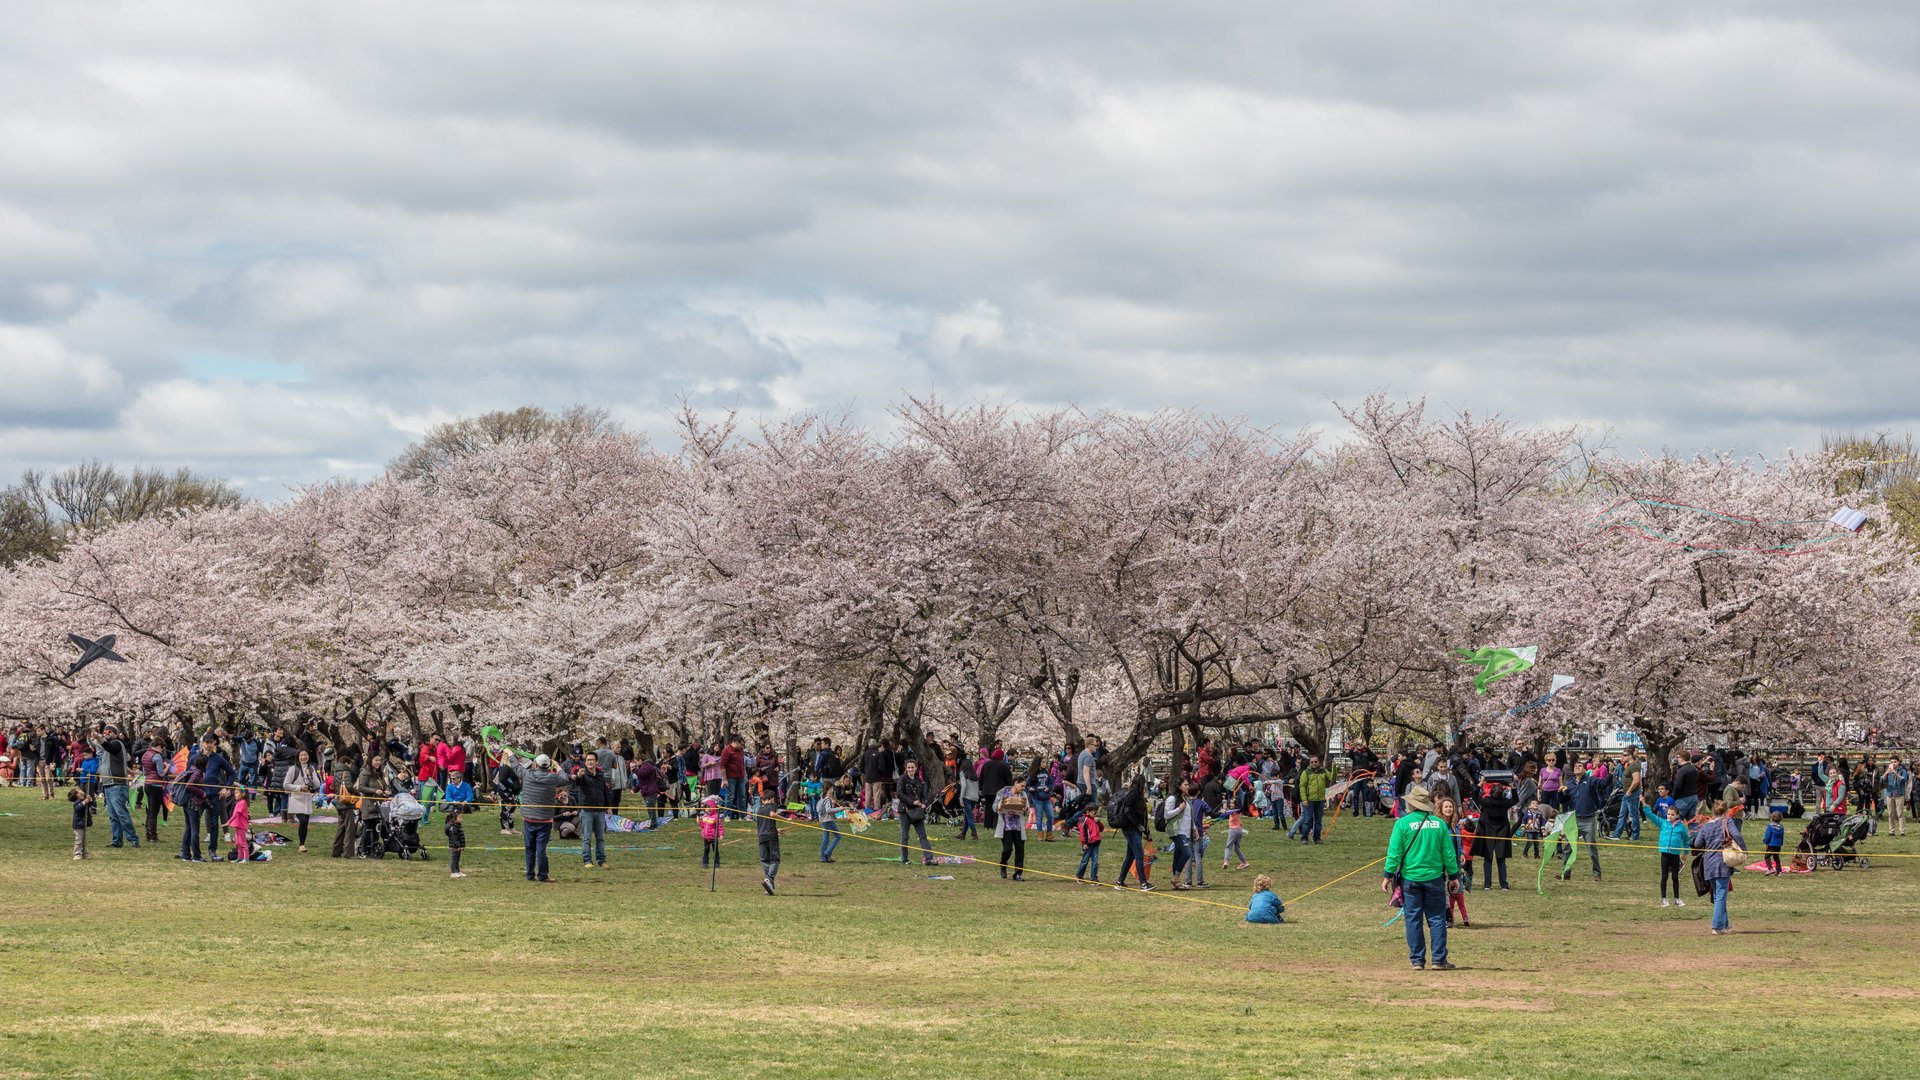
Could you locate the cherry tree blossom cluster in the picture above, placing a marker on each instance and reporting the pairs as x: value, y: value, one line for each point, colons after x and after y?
x: 976, y: 573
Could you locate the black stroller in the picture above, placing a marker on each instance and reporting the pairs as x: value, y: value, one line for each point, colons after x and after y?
x: 1831, y: 840
x: 947, y: 808
x: 1070, y: 811
x: 376, y: 834
x: 384, y: 832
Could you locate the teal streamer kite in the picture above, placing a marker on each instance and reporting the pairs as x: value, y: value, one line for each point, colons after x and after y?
x: 1560, y: 682
x: 1606, y: 522
x: 1558, y: 833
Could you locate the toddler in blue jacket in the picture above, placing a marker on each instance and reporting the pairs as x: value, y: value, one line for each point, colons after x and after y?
x: 1265, y: 907
x: 1776, y: 835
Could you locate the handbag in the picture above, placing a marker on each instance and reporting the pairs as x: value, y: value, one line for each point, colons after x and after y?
x: 1733, y: 852
x: 1700, y: 885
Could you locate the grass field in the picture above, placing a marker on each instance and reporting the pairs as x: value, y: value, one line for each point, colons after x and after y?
x: 133, y: 963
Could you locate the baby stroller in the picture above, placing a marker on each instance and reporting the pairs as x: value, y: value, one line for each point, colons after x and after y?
x: 404, y: 814
x: 947, y: 807
x: 1610, y: 812
x: 1831, y: 840
x: 1070, y: 811
x: 376, y: 834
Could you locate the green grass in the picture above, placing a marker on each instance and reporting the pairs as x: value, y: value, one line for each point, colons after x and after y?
x: 135, y: 964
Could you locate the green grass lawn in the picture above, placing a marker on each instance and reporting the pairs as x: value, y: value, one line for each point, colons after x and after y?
x: 134, y: 963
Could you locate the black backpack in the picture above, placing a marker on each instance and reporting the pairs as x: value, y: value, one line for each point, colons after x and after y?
x: 1117, y: 816
x: 1160, y: 815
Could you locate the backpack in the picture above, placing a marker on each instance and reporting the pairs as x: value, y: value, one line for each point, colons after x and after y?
x: 1160, y: 814
x: 1117, y: 811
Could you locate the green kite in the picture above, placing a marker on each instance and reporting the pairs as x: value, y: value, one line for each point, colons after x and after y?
x: 495, y: 742
x: 1558, y: 834
x: 1496, y: 663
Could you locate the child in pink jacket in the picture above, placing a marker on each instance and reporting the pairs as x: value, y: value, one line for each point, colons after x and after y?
x: 712, y: 828
x: 241, y: 824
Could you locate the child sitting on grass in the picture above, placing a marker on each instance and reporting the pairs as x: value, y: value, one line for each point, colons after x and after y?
x: 1264, y: 906
x: 82, y: 802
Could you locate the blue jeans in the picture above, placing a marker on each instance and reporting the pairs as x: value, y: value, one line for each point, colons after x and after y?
x: 1687, y: 806
x: 1089, y: 862
x: 829, y: 838
x: 1182, y: 851
x: 1721, y: 887
x: 593, y: 831
x: 119, y: 816
x: 1313, y: 814
x: 190, y: 839
x: 1424, y: 907
x: 1629, y: 822
x: 967, y: 826
x: 1136, y: 857
x: 736, y: 799
x: 536, y: 834
x: 1043, y: 814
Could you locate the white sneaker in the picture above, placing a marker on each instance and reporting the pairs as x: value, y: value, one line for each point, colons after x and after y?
x: 1664, y: 902
x: 457, y: 873
x: 1679, y: 901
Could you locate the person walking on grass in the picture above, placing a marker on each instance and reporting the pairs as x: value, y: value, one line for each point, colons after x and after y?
x: 768, y: 830
x: 240, y: 822
x: 1010, y: 825
x: 1088, y: 830
x: 1422, y: 857
x: 1177, y: 810
x: 914, y: 796
x: 828, y: 810
x: 1129, y: 814
x: 1722, y: 852
x: 302, y: 782
x: 1314, y: 781
x: 1235, y: 833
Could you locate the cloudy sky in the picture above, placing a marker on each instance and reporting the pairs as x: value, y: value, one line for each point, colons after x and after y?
x: 275, y: 242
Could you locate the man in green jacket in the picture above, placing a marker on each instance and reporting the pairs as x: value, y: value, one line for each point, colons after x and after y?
x: 1313, y: 798
x: 1423, y: 857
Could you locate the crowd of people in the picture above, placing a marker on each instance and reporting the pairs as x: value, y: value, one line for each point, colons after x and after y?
x: 1451, y: 809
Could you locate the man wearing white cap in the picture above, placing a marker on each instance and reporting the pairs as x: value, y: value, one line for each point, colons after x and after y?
x: 539, y: 791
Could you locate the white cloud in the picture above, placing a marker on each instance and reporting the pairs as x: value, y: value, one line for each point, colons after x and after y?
x: 47, y: 381
x: 1695, y: 228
